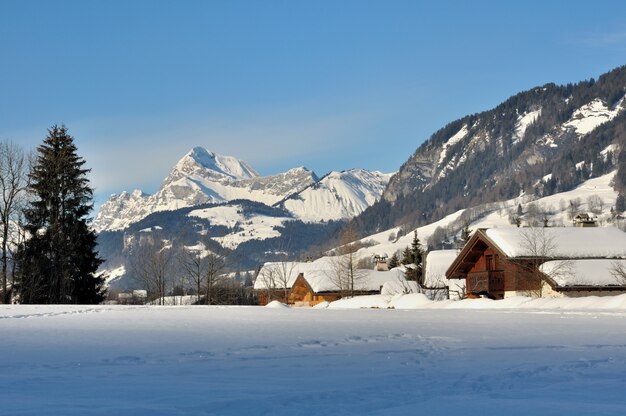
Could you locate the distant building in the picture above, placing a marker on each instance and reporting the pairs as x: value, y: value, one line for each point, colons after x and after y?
x: 380, y: 262
x: 585, y: 220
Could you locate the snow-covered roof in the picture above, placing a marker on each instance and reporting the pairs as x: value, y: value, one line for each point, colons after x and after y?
x: 319, y: 274
x: 273, y: 275
x: 567, y: 242
x: 366, y: 280
x: 437, y: 262
x: 591, y: 272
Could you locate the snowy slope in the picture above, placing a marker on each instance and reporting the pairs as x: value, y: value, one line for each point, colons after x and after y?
x: 592, y: 115
x: 497, y: 216
x: 339, y: 195
x: 244, y: 227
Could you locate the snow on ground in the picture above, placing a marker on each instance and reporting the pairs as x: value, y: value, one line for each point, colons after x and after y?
x: 523, y: 121
x: 114, y: 360
x: 246, y: 228
x: 112, y: 275
x: 457, y: 137
x: 588, y: 117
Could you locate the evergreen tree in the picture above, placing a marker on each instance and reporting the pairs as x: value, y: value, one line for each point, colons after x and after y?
x: 412, y: 258
x: 57, y: 264
x: 466, y: 233
x: 393, y: 261
x: 620, y: 203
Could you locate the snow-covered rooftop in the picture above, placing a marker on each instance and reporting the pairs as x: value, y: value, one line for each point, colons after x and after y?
x: 437, y: 262
x: 320, y: 275
x: 567, y: 242
x: 590, y: 272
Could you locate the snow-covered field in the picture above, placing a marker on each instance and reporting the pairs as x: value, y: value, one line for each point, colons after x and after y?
x: 113, y: 360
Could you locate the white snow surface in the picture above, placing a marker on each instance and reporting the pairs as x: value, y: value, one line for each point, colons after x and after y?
x: 592, y: 115
x: 523, y: 121
x: 454, y: 139
x: 588, y: 272
x: 516, y: 356
x: 244, y: 227
x: 567, y: 242
x: 339, y: 195
x: 114, y: 274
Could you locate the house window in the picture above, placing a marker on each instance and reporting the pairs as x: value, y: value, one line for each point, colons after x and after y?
x: 490, y: 263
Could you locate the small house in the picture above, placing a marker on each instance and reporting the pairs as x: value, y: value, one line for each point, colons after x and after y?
x: 585, y: 220
x: 311, y: 288
x: 505, y: 262
x: 380, y: 262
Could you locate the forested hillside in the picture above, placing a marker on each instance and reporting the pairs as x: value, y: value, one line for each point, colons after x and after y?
x: 545, y: 140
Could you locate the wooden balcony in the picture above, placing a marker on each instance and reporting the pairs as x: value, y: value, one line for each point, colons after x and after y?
x: 486, y: 281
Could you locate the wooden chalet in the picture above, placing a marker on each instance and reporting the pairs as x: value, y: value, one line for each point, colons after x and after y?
x: 307, y: 284
x: 499, y: 263
x: 309, y: 289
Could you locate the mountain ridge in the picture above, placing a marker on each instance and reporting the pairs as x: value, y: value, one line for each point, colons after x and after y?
x: 202, y: 176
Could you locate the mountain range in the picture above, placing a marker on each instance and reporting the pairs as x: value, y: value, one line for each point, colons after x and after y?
x: 537, y: 143
x: 204, y: 177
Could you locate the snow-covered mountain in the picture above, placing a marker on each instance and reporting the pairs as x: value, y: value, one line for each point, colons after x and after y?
x: 203, y: 177
x: 338, y: 195
x: 545, y: 140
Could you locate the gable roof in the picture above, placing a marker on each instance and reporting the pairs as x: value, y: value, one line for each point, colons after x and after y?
x: 558, y: 243
x: 367, y: 280
x: 563, y: 242
x: 273, y: 274
x: 319, y: 276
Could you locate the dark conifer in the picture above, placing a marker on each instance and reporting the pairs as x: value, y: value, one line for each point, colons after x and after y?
x: 57, y: 264
x: 412, y: 258
x: 394, y: 261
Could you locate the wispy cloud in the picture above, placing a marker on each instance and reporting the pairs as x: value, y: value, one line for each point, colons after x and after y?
x: 607, y: 39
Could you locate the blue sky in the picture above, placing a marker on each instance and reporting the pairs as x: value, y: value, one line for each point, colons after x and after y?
x: 329, y: 85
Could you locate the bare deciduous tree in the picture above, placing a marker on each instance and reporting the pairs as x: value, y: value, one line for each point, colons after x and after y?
x: 13, y: 184
x: 595, y: 204
x: 150, y: 264
x: 618, y: 269
x: 574, y: 208
x: 216, y: 263
x: 344, y: 271
x: 194, y: 267
x: 539, y: 245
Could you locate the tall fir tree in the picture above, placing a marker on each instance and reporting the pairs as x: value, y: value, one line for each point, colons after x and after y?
x: 412, y: 258
x: 58, y: 263
x: 466, y: 234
